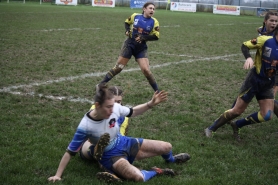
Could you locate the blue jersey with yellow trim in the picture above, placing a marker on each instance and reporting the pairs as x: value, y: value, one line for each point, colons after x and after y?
x: 141, y: 25
x: 269, y: 58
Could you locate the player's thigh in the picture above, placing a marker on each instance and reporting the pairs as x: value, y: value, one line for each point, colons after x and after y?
x: 122, y: 60
x: 144, y: 64
x: 87, y: 149
x: 239, y: 107
x: 151, y: 148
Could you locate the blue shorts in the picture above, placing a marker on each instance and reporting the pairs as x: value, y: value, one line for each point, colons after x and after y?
x: 132, y: 48
x: 125, y: 147
x: 255, y: 85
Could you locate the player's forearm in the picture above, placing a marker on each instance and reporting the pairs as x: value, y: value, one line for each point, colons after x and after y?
x: 245, y: 51
x: 63, y: 163
x: 140, y: 109
x: 149, y: 37
x: 127, y: 27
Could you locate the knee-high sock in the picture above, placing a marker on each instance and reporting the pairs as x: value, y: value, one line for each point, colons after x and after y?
x: 152, y: 82
x: 147, y: 175
x: 222, y: 120
x: 113, y: 72
x: 169, y: 157
x: 256, y: 117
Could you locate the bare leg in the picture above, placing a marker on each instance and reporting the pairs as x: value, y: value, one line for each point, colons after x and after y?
x: 144, y: 65
x: 123, y: 168
x: 266, y: 106
x: 151, y: 148
x: 84, y: 150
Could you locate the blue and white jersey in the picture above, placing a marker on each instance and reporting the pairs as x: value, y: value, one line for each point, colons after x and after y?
x: 91, y: 129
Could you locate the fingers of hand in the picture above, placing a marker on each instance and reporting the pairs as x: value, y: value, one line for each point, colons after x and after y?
x: 54, y: 178
x: 138, y: 39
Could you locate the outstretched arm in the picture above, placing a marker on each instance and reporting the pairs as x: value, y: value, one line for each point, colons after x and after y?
x: 64, y: 161
x: 157, y: 98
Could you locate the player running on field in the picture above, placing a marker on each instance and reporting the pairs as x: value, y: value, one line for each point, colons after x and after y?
x: 259, y: 82
x: 139, y: 28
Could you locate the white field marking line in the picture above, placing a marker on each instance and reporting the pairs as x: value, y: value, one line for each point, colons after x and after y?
x: 252, y: 23
x: 168, y: 54
x: 221, y: 24
x: 70, y: 98
x: 170, y: 26
x: 231, y: 24
x: 70, y: 29
x: 62, y: 79
x: 226, y: 59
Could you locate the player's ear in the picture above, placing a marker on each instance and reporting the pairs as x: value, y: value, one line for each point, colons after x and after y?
x: 97, y: 105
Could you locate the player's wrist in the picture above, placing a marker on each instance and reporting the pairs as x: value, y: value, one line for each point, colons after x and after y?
x: 149, y: 105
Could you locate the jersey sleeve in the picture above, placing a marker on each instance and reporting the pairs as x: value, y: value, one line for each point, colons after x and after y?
x: 78, y: 138
x: 123, y: 111
x: 257, y: 42
x: 155, y: 30
x: 130, y: 20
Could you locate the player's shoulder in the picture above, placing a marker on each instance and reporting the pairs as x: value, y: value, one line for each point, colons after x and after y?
x: 154, y: 19
x: 263, y: 38
x: 270, y: 39
x: 117, y: 106
x: 136, y: 14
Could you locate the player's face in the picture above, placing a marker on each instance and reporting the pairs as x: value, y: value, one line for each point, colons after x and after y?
x: 149, y: 11
x: 106, y: 109
x: 271, y: 23
x: 118, y: 99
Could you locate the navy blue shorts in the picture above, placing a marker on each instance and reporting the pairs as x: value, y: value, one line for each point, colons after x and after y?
x: 132, y: 48
x: 255, y: 85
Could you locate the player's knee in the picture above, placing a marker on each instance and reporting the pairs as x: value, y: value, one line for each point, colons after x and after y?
x: 268, y: 115
x: 236, y: 112
x: 118, y: 68
x: 138, y: 178
x: 146, y: 72
x: 167, y: 147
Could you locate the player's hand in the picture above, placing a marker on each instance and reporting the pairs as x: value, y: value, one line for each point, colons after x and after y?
x: 138, y: 38
x: 248, y: 63
x: 159, y: 97
x: 127, y: 33
x: 54, y: 178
